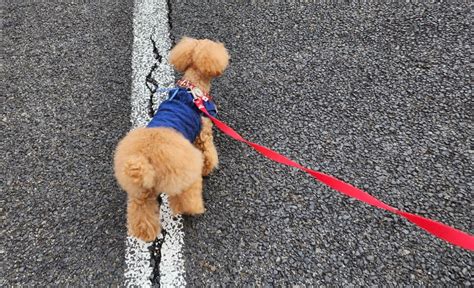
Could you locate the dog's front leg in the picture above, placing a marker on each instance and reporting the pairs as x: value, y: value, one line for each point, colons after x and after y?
x: 205, y: 143
x: 143, y: 216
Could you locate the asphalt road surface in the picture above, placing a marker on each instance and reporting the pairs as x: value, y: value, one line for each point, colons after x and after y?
x: 65, y: 103
x: 378, y: 95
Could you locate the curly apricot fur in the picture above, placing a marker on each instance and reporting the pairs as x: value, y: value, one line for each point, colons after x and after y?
x: 150, y: 161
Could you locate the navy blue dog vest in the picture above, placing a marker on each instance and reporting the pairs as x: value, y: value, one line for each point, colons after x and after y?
x: 180, y: 113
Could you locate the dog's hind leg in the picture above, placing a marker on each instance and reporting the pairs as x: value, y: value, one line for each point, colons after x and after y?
x: 189, y: 201
x: 143, y: 215
x: 205, y: 143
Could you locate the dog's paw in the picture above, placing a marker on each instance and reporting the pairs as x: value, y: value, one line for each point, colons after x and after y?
x: 175, y: 205
x: 206, y: 170
x: 196, y: 209
x: 145, y: 230
x: 181, y: 206
x: 210, y: 163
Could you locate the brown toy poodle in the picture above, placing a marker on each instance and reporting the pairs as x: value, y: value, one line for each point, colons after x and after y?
x: 176, y: 149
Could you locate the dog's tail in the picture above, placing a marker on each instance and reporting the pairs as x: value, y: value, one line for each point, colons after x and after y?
x: 139, y: 171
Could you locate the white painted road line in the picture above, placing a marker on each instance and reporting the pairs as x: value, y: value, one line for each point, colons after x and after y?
x: 150, y: 19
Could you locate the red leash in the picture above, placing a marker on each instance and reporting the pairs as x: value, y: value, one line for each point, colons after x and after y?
x: 438, y: 229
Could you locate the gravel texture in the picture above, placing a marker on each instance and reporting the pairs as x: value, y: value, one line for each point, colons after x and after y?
x: 378, y: 95
x: 66, y: 85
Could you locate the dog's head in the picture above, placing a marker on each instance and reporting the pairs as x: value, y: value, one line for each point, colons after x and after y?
x: 206, y: 57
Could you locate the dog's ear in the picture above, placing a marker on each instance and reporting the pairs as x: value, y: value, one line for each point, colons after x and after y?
x: 210, y: 58
x: 181, y: 55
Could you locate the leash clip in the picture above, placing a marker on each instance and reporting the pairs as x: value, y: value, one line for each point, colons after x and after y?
x: 198, y: 94
x: 199, y: 103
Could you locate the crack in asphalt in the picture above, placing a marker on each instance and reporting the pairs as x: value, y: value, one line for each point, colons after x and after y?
x: 155, y: 248
x: 155, y: 50
x: 151, y: 85
x: 155, y: 252
x: 170, y: 25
